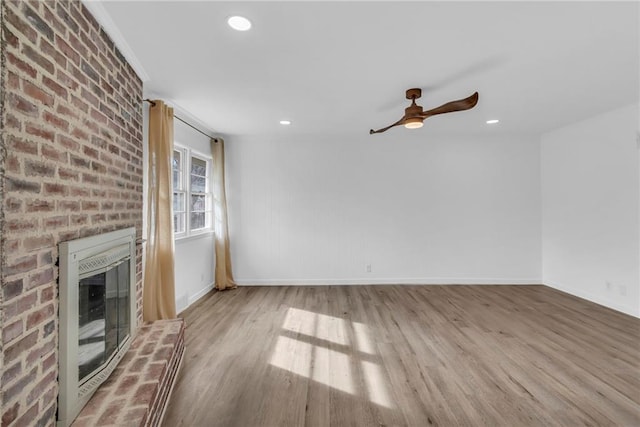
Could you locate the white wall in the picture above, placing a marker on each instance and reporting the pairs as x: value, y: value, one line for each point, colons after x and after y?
x: 416, y: 207
x: 194, y: 257
x: 590, y: 209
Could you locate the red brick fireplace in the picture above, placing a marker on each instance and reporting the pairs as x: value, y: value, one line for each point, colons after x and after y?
x: 71, y: 115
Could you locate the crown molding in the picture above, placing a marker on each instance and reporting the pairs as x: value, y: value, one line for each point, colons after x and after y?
x: 104, y: 19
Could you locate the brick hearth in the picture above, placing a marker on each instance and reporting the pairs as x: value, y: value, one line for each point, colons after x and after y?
x: 137, y: 391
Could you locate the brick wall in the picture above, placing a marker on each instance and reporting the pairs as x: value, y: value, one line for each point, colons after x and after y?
x: 73, y: 135
x: 2, y: 157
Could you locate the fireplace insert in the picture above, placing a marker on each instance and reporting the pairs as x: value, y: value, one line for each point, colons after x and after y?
x: 97, y: 314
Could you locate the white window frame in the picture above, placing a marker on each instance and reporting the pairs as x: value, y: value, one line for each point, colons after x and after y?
x: 182, y: 189
x: 187, y: 155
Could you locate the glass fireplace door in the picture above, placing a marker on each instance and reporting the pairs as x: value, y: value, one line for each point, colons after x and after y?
x: 103, y: 316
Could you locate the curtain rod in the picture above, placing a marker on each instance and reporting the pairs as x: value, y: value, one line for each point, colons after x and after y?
x: 153, y: 104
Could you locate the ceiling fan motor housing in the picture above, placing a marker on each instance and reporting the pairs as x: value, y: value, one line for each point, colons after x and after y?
x: 413, y: 110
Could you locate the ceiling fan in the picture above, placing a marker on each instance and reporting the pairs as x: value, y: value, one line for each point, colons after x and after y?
x: 414, y: 116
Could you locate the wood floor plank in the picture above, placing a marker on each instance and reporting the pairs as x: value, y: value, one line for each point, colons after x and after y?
x: 406, y: 356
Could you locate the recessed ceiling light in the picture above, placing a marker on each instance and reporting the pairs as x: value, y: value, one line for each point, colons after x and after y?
x: 285, y: 122
x: 239, y: 23
x: 492, y: 121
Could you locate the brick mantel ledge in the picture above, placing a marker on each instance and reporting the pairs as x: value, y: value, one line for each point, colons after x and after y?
x: 138, y: 390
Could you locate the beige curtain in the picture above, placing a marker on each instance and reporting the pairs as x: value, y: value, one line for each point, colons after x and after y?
x: 224, y: 275
x: 159, y: 295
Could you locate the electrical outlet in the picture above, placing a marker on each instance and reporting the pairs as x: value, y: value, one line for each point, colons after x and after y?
x: 368, y: 268
x: 607, y: 285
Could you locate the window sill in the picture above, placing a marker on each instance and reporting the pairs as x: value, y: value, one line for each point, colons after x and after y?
x: 195, y: 236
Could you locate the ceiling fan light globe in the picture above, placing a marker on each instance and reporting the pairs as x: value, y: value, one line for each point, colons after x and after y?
x: 413, y: 123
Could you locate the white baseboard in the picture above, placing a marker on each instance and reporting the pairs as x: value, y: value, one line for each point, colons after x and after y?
x: 193, y: 298
x: 182, y: 302
x: 398, y: 281
x: 598, y: 299
x: 202, y: 292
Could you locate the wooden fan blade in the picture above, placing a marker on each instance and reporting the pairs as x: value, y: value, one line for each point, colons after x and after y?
x: 450, y: 107
x: 399, y: 122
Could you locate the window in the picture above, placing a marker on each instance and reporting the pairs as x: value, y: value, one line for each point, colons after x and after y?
x: 200, y: 215
x: 192, y: 199
x: 179, y: 205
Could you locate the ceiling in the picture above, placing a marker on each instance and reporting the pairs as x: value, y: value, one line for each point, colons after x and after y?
x: 342, y: 67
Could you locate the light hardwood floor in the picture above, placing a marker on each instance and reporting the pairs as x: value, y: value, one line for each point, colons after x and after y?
x: 406, y: 355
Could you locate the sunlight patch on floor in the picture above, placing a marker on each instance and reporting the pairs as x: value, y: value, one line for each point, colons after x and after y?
x: 363, y: 338
x: 376, y: 385
x: 329, y: 367
x: 293, y: 356
x: 316, y: 325
x: 325, y: 365
x: 332, y: 368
